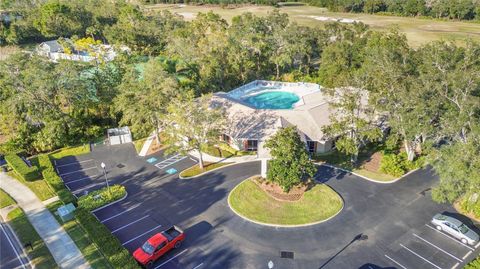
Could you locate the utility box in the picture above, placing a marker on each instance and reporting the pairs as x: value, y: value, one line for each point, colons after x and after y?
x: 66, y: 212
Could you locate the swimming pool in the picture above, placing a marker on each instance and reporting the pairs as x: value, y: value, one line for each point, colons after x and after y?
x: 272, y: 100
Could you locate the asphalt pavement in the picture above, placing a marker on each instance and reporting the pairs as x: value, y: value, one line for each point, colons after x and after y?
x: 11, y: 252
x: 381, y: 226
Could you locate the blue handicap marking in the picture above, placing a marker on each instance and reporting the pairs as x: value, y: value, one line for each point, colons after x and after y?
x: 171, y: 171
x: 152, y: 160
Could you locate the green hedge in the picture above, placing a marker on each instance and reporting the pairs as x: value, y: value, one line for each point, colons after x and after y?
x: 53, y: 180
x: 101, y: 197
x: 475, y: 264
x: 21, y: 168
x: 111, y: 247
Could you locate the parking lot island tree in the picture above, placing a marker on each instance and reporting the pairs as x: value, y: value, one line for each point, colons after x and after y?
x: 193, y: 124
x: 290, y: 164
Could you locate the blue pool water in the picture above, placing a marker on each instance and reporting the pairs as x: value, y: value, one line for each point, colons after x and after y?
x: 273, y: 100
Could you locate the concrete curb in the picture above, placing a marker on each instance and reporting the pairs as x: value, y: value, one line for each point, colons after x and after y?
x: 286, y: 225
x: 218, y: 168
x: 109, y: 204
x: 367, y: 178
x: 206, y: 172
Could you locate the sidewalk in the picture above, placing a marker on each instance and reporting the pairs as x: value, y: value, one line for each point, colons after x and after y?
x: 213, y: 159
x: 63, y: 249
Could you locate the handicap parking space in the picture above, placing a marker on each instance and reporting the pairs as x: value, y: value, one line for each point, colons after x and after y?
x: 429, y: 248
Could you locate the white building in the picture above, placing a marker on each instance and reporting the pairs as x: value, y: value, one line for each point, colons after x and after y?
x: 55, y: 52
x: 257, y: 110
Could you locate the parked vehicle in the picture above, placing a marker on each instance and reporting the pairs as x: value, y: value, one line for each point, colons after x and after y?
x: 455, y: 228
x: 158, y: 245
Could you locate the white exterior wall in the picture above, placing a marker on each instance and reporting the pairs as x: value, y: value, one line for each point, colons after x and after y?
x: 324, y: 146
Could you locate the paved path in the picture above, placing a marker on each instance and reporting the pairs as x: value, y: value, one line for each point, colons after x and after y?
x: 63, y: 249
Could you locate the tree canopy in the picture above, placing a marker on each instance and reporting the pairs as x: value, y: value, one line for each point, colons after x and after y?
x: 290, y: 164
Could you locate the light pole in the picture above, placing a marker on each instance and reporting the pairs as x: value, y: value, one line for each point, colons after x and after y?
x: 105, y: 174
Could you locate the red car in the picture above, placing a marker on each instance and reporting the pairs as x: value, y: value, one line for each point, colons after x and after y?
x: 158, y: 245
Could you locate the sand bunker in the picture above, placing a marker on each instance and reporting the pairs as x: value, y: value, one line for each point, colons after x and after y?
x: 342, y: 20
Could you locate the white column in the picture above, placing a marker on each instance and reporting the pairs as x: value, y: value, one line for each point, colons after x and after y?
x: 264, y: 168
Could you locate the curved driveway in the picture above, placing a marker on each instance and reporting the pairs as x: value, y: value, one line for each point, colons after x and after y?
x: 217, y: 238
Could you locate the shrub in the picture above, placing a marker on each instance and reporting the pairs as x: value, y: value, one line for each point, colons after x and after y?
x: 398, y: 164
x: 475, y: 264
x: 471, y: 203
x: 21, y: 168
x: 392, y: 164
x: 110, y: 246
x: 53, y: 180
x: 101, y: 197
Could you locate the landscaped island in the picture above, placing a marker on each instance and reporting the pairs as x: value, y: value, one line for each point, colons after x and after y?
x: 250, y: 201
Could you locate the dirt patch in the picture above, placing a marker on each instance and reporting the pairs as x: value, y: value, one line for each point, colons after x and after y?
x: 155, y: 147
x: 277, y: 193
x: 372, y: 164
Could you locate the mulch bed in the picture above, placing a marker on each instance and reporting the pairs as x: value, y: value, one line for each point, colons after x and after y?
x: 155, y: 147
x: 277, y: 193
x: 373, y: 163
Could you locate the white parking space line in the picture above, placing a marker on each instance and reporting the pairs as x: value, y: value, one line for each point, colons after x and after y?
x: 133, y: 222
x: 200, y: 265
x: 121, y: 213
x: 167, y: 261
x: 13, y: 247
x: 124, y: 243
x: 453, y: 239
x: 76, y: 180
x: 90, y: 186
x: 74, y: 163
x: 433, y: 245
x: 466, y: 255
x: 170, y: 161
x: 477, y: 245
x: 81, y: 170
x: 455, y: 266
x: 418, y: 255
x: 397, y: 263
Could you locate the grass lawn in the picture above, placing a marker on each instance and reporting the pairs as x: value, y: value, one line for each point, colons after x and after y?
x: 195, y: 170
x: 39, y: 255
x: 374, y: 175
x: 225, y: 151
x: 341, y: 160
x: 418, y: 31
x: 317, y: 204
x: 81, y: 239
x: 5, y: 199
x: 39, y: 187
x: 70, y: 151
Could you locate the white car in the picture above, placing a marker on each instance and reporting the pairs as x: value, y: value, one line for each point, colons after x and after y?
x: 455, y: 228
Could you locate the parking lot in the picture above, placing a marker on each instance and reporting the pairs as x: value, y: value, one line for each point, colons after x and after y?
x: 80, y: 174
x: 426, y: 247
x: 393, y: 216
x: 12, y: 255
x: 132, y: 220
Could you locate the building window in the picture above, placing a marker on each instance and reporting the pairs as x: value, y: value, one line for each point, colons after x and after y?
x: 311, y: 146
x: 252, y: 145
x: 225, y: 138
